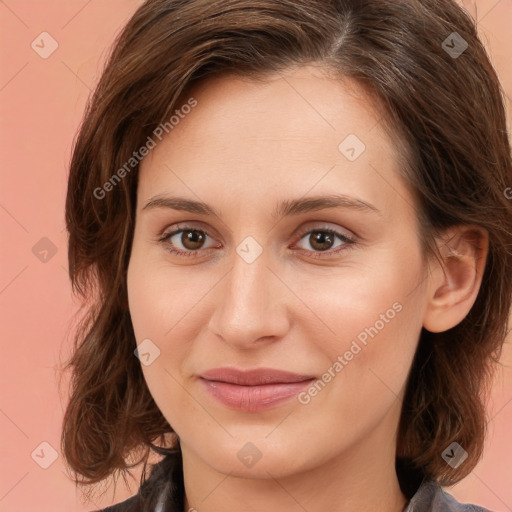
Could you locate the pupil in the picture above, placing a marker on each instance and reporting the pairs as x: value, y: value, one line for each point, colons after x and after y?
x: 321, y: 238
x: 192, y: 237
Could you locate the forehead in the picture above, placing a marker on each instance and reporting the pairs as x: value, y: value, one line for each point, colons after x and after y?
x: 302, y: 103
x: 300, y: 130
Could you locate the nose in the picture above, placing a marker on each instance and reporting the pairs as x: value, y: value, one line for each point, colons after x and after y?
x: 251, y: 305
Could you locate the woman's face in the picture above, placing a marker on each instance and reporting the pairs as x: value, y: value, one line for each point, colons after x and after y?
x: 278, y: 278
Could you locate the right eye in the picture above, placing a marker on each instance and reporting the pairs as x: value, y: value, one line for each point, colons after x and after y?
x: 190, y: 239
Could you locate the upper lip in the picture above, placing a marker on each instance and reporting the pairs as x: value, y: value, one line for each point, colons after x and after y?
x: 253, y: 377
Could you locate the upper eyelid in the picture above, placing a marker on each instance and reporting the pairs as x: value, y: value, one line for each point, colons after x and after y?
x: 184, y: 226
x: 202, y: 227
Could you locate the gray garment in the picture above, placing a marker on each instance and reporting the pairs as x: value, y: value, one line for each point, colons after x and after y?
x: 164, y: 492
x: 430, y: 497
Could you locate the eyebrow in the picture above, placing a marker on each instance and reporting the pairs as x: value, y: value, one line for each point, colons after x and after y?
x: 283, y: 209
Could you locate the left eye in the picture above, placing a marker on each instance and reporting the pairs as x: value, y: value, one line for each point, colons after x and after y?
x: 320, y: 238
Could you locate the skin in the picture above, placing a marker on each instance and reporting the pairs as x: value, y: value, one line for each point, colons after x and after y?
x: 243, y: 149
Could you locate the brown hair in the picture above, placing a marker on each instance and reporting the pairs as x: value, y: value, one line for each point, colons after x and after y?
x: 447, y: 109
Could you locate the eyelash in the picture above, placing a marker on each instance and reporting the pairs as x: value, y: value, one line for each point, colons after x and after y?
x: 348, y: 242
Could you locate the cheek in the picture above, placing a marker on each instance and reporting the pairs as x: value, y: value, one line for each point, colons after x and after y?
x: 370, y: 307
x: 161, y: 306
x: 159, y: 298
x: 372, y: 325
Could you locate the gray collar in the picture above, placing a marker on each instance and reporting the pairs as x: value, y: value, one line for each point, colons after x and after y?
x: 430, y: 497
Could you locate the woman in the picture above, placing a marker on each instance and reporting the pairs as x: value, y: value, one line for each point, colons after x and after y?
x: 293, y: 220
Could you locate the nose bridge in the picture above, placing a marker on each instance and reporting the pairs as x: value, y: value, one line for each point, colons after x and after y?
x: 250, y: 277
x: 250, y: 303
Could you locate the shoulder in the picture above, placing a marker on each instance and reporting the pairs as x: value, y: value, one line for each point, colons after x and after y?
x: 162, y: 491
x: 430, y: 497
x: 130, y: 505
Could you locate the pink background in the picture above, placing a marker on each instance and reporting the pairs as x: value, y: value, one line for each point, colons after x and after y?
x: 42, y: 101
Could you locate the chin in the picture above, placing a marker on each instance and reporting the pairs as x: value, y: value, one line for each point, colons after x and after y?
x: 247, y: 456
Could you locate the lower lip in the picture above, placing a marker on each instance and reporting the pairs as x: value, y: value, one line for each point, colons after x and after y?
x: 253, y: 398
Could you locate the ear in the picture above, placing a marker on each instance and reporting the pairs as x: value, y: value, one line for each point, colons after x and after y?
x: 454, y: 281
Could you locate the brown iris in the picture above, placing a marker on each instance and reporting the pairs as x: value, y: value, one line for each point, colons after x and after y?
x: 192, y: 239
x: 317, y: 239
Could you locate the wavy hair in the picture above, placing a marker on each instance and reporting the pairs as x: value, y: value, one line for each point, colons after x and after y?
x: 446, y: 114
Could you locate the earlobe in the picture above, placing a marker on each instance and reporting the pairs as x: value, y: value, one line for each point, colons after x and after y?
x: 454, y: 281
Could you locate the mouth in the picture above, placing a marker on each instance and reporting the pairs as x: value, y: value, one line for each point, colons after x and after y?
x: 253, y: 390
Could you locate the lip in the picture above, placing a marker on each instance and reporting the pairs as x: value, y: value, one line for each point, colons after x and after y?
x: 253, y: 390
x: 253, y: 377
